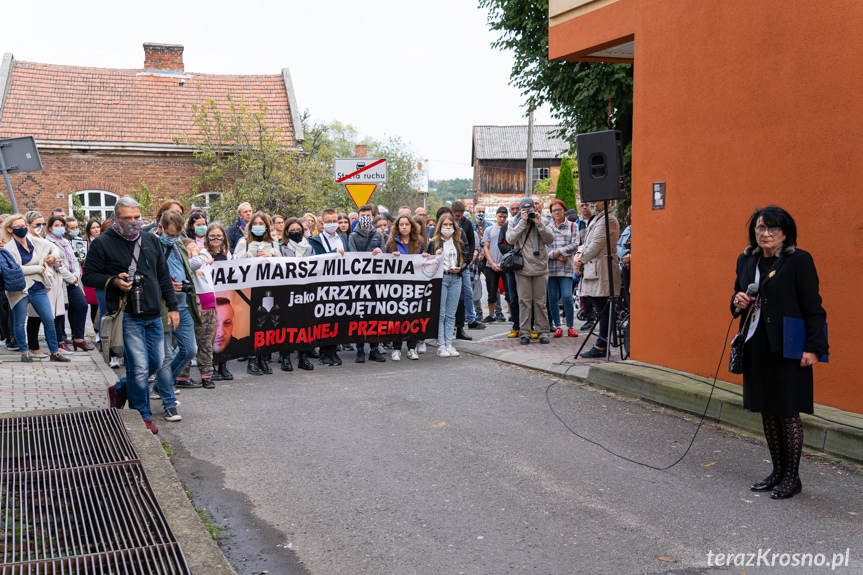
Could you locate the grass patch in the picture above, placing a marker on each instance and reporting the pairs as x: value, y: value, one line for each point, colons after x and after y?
x: 210, y: 525
x: 169, y: 449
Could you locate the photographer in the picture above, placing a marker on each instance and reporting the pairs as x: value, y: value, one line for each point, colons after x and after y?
x: 109, y: 261
x: 531, y: 234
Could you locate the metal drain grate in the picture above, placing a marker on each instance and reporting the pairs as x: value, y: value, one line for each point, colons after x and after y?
x: 74, y: 499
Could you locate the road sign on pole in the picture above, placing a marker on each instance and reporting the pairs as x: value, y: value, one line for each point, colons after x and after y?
x: 18, y: 155
x: 360, y: 176
x: 360, y: 170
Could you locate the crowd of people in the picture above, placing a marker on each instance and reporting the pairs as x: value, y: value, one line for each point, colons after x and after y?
x: 60, y: 270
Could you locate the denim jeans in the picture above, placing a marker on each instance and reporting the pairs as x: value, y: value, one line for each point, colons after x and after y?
x: 557, y: 287
x: 39, y: 300
x: 467, y: 286
x: 144, y: 350
x: 184, y: 335
x: 103, y: 308
x: 449, y: 298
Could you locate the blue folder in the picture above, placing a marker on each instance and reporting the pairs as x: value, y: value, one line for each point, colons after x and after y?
x: 794, y: 338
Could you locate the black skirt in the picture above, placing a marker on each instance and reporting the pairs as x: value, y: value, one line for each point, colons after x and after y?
x: 771, y: 383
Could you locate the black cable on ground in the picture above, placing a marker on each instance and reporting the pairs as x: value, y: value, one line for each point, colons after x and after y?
x: 694, y: 435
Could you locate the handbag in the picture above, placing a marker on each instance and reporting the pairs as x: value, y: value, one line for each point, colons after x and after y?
x: 512, y: 260
x: 735, y: 356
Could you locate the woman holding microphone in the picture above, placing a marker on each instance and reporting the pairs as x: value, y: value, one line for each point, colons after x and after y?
x: 774, y: 384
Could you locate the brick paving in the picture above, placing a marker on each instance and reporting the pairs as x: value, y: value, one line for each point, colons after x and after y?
x: 561, y: 349
x: 46, y: 384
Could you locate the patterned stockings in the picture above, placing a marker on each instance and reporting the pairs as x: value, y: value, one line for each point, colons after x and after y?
x: 784, y: 437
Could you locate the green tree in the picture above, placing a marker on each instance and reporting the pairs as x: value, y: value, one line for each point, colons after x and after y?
x: 583, y: 96
x: 566, y: 184
x: 400, y: 190
x: 246, y: 160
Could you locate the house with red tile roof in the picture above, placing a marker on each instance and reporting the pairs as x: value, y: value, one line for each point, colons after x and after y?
x: 102, y: 132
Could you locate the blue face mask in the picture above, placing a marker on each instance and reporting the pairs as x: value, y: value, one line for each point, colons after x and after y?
x: 259, y: 230
x: 58, y: 232
x: 200, y: 231
x: 20, y: 232
x: 168, y: 241
x: 74, y: 233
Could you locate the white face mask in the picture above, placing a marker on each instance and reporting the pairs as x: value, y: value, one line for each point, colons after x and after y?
x: 331, y: 227
x: 447, y: 232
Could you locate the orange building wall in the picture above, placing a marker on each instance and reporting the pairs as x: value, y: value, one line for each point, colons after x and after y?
x: 739, y: 104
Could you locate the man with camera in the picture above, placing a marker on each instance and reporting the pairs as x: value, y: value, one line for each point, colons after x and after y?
x: 132, y: 269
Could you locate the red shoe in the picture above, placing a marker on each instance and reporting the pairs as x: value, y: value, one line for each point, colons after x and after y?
x: 572, y: 332
x: 150, y: 426
x: 558, y: 332
x: 114, y: 399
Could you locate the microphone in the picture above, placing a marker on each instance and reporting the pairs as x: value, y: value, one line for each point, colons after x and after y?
x: 751, y: 291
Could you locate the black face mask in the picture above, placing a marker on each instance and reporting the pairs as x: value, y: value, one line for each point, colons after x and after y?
x: 296, y: 237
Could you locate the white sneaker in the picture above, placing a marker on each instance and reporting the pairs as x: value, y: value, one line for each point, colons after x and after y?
x: 421, y: 347
x: 412, y: 354
x: 98, y: 338
x: 452, y: 351
x: 397, y: 355
x: 194, y: 362
x: 443, y: 351
x: 114, y: 362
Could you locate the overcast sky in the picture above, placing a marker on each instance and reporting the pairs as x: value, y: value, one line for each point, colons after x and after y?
x: 422, y: 71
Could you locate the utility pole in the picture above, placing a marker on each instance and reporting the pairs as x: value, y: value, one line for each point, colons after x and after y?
x: 528, y: 184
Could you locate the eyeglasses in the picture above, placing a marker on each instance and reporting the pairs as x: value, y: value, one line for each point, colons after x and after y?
x: 38, y: 226
x: 215, y: 238
x: 761, y: 230
x: 557, y: 211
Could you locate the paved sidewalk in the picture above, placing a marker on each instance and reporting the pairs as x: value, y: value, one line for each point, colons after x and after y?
x: 46, y: 384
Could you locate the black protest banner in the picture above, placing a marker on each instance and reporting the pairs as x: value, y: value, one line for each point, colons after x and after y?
x: 266, y: 305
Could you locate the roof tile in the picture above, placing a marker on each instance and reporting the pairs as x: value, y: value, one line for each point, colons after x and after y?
x: 80, y: 104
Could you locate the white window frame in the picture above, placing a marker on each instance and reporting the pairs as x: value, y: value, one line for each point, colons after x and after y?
x: 209, y: 197
x: 102, y: 211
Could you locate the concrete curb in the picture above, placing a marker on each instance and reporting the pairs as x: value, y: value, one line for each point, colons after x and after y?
x: 202, y: 553
x: 829, y: 430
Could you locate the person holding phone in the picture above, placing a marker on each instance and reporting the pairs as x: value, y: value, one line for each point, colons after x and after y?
x: 449, y: 242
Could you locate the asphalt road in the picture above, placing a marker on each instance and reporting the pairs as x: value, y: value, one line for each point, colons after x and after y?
x: 459, y: 466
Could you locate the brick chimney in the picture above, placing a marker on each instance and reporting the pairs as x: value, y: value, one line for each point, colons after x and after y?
x: 359, y: 151
x: 163, y: 57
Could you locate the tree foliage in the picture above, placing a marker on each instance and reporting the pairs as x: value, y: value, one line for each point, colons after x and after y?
x: 246, y: 160
x: 566, y: 184
x: 583, y: 96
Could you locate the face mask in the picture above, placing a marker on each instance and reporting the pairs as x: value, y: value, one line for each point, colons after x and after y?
x: 480, y: 216
x: 74, y: 233
x: 259, y: 230
x: 168, y: 241
x: 307, y: 234
x: 128, y: 230
x: 365, y: 222
x: 331, y: 227
x: 20, y: 232
x: 296, y: 237
x: 200, y: 231
x: 447, y: 232
x: 58, y: 232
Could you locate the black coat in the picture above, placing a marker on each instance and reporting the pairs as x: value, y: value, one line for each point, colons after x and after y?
x: 463, y: 247
x: 791, y: 292
x: 110, y: 255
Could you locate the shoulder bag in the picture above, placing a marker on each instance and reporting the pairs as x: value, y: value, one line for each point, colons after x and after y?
x: 112, y: 323
x: 512, y: 261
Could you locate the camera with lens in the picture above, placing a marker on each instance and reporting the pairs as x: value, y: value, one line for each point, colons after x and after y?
x: 531, y: 214
x: 135, y: 301
x: 187, y: 286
